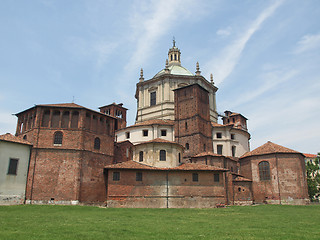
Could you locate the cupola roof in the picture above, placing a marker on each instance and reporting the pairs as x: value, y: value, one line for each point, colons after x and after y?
x: 173, y: 63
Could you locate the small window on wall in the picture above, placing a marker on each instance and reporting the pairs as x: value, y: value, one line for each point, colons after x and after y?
x: 145, y: 133
x: 162, y: 155
x: 57, y: 139
x: 153, y: 98
x: 264, y: 171
x: 219, y: 135
x: 179, y: 157
x: 139, y: 176
x: 233, y: 149
x: 127, y: 134
x: 232, y: 137
x: 141, y: 156
x: 116, y: 176
x: 97, y: 143
x: 187, y: 146
x: 13, y: 166
x: 216, y: 177
x: 195, y: 177
x: 163, y: 133
x: 219, y: 149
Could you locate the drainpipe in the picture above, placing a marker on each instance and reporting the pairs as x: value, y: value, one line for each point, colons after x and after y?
x: 167, y: 183
x: 278, y: 178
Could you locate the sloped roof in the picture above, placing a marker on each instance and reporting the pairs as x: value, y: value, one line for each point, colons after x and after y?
x: 10, y: 138
x: 130, y: 165
x: 308, y: 155
x: 241, y: 179
x: 214, y: 124
x: 204, y: 154
x: 153, y: 122
x: 175, y: 70
x: 182, y: 167
x: 268, y: 148
x: 69, y: 105
x: 160, y: 140
x: 65, y: 105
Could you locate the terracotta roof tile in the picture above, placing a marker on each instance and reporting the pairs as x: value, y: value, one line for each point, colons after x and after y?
x: 204, y: 154
x: 65, y: 105
x: 10, y: 138
x: 268, y: 148
x: 241, y: 179
x: 184, y: 167
x: 69, y: 105
x: 308, y: 155
x: 130, y: 165
x: 154, y: 122
x: 214, y: 124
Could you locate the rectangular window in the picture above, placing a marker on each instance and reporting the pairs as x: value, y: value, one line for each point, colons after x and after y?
x: 116, y: 176
x: 139, y: 176
x: 219, y: 135
x: 195, y: 177
x: 232, y: 136
x: 140, y: 156
x: 153, y: 97
x: 13, y: 166
x: 163, y: 155
x: 127, y: 134
x: 163, y: 133
x: 219, y: 149
x: 216, y: 177
x: 233, y: 150
x: 145, y: 133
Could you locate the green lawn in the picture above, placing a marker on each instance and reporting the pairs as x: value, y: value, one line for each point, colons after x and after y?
x: 78, y: 222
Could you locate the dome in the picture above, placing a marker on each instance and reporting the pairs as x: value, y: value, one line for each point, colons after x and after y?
x: 175, y: 70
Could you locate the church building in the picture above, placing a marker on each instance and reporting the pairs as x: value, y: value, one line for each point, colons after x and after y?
x: 176, y: 155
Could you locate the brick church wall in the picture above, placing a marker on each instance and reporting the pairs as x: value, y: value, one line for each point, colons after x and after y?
x: 192, y: 120
x: 287, y: 184
x: 165, y: 189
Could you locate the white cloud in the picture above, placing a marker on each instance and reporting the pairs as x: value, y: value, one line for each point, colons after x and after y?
x: 268, y: 81
x: 308, y: 42
x: 150, y: 21
x: 225, y: 63
x: 103, y: 51
x: 224, y: 32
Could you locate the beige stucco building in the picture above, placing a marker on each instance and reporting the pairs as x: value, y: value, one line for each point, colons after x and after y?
x: 155, y: 97
x: 14, y: 163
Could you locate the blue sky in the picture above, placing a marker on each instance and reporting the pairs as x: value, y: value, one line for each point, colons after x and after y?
x: 264, y: 55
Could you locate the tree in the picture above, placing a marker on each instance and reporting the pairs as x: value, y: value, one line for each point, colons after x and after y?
x: 313, y: 177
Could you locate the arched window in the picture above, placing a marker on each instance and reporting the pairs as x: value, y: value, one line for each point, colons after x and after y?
x: 97, y: 143
x: 162, y: 155
x: 55, y: 119
x: 45, y: 118
x: 264, y: 170
x: 141, y: 156
x: 25, y: 137
x: 187, y: 146
x: 57, y: 138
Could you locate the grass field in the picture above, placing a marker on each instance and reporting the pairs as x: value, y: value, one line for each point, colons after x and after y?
x: 83, y: 222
